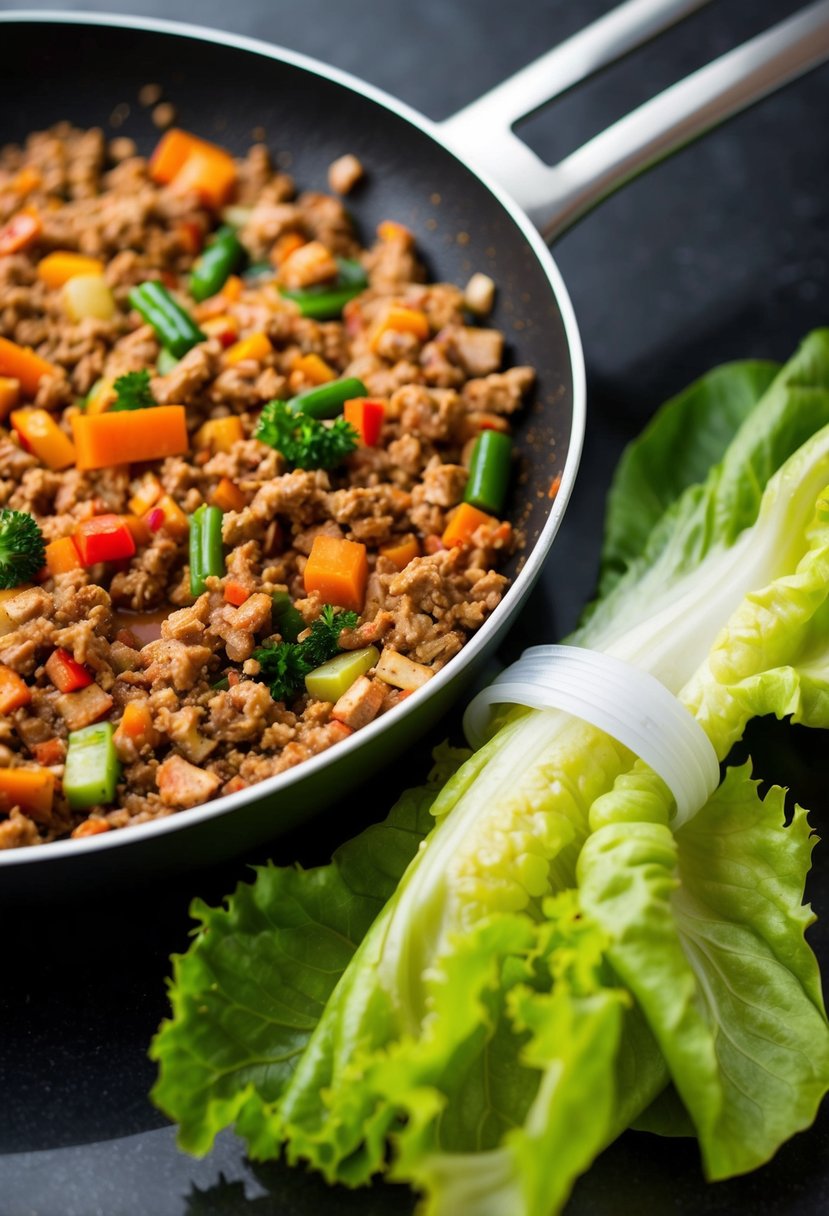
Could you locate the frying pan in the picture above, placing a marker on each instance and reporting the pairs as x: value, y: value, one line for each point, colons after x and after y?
x: 89, y: 68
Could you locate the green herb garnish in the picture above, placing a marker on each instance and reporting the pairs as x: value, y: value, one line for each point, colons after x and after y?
x: 22, y: 551
x: 284, y: 665
x: 305, y: 442
x: 134, y: 392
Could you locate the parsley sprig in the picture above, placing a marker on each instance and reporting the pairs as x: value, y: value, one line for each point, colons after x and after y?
x: 283, y: 666
x: 22, y: 551
x: 305, y: 442
x: 133, y: 392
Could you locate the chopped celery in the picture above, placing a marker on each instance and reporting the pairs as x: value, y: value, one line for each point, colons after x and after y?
x: 92, y: 767
x: 335, y: 677
x: 289, y: 620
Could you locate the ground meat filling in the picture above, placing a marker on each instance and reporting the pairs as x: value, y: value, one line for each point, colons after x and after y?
x: 184, y: 674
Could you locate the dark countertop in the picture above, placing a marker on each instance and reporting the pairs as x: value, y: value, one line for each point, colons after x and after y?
x: 718, y: 254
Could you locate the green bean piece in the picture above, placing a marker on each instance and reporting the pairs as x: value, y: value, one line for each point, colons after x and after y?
x: 327, y: 400
x: 92, y: 767
x: 288, y: 619
x: 174, y: 327
x: 327, y: 303
x: 489, y: 471
x: 206, y: 555
x: 216, y: 264
x: 165, y: 362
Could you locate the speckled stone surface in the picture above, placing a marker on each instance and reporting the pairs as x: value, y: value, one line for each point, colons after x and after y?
x: 718, y: 254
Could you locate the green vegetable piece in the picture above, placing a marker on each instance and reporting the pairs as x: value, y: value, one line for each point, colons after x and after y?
x: 219, y: 260
x: 489, y: 472
x: 174, y: 327
x: 327, y: 400
x: 134, y: 392
x: 326, y: 303
x: 289, y: 620
x: 206, y: 554
x: 165, y: 362
x: 92, y: 767
x: 22, y: 551
x: 335, y: 677
x: 305, y: 442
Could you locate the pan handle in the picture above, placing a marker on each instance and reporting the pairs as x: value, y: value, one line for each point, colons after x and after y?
x: 558, y: 195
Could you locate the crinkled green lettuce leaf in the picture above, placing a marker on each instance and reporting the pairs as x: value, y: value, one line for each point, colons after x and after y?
x: 684, y: 440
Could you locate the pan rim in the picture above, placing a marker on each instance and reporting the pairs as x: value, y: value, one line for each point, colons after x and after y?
x: 63, y: 850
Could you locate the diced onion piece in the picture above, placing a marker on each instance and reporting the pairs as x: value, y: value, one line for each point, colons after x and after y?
x: 88, y: 295
x: 479, y: 295
x: 400, y: 672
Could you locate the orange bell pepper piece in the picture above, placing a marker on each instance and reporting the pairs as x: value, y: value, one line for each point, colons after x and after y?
x: 338, y: 571
x: 62, y: 555
x: 14, y: 691
x: 257, y: 346
x: 403, y: 321
x: 24, y: 365
x: 170, y: 153
x: 313, y: 370
x: 172, y: 518
x: 42, y: 436
x: 401, y: 552
x: 208, y: 171
x: 32, y: 789
x: 219, y: 434
x: 127, y: 436
x: 57, y: 268
x: 228, y: 496
x: 465, y: 521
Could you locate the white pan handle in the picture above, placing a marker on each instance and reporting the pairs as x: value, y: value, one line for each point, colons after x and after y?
x: 556, y: 196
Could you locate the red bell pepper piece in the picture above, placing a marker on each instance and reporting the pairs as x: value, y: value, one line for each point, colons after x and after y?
x: 65, y: 673
x: 366, y: 416
x: 104, y: 538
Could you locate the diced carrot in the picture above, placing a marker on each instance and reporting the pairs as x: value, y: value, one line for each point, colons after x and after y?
x: 219, y: 434
x: 174, y: 520
x: 24, y: 365
x: 14, y: 691
x: 401, y: 552
x: 366, y: 416
x: 136, y: 726
x: 101, y: 396
x: 256, y: 346
x: 42, y: 435
x: 208, y: 171
x: 228, y: 496
x: 401, y: 320
x: 62, y: 555
x: 90, y: 827
x: 170, y: 153
x: 27, y: 180
x: 390, y: 230
x: 232, y: 288
x: 465, y: 521
x: 555, y: 486
x: 236, y: 592
x: 285, y: 245
x: 130, y: 435
x: 147, y: 492
x: 21, y: 231
x: 58, y: 267
x: 9, y: 394
x: 52, y: 751
x: 338, y: 571
x: 32, y: 789
x: 308, y: 265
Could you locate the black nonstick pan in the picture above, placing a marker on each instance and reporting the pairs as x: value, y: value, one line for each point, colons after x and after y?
x: 441, y: 181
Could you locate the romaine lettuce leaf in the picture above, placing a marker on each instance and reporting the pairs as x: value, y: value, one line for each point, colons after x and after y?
x: 684, y: 440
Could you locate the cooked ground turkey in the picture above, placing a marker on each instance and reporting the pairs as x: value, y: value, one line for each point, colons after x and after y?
x: 213, y: 726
